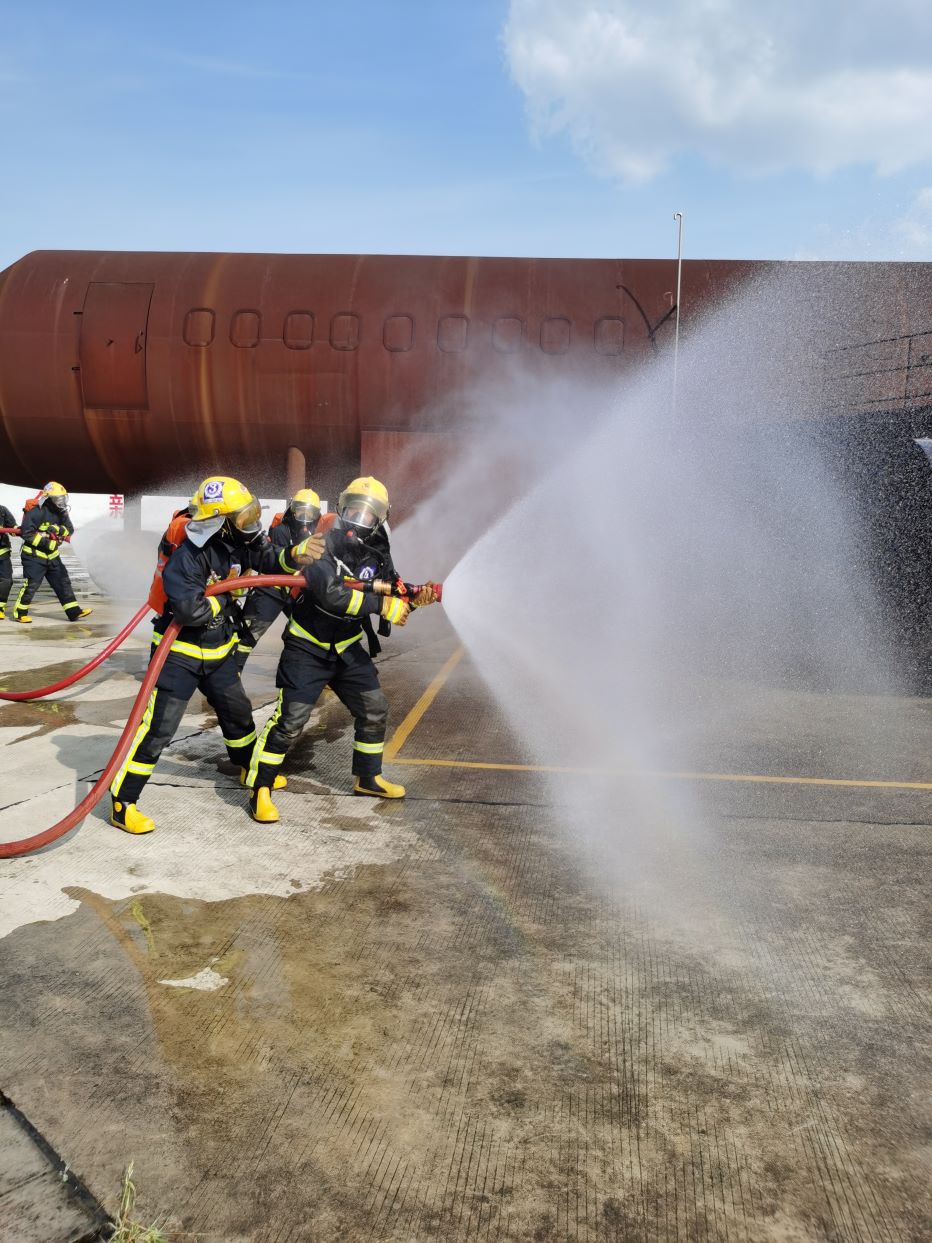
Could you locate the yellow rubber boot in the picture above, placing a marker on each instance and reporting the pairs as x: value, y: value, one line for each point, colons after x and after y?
x: 278, y: 784
x: 84, y: 613
x: 2, y: 612
x: 129, y: 818
x: 378, y: 787
x: 23, y: 618
x: 261, y: 807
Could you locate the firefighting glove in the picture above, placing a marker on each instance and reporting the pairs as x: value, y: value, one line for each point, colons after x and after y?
x: 241, y: 591
x: 308, y: 551
x: 220, y: 607
x: 427, y: 595
x: 395, y: 610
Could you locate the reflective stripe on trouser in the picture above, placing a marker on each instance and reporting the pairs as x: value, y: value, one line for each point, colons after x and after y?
x: 301, y: 678
x: 276, y: 739
x: 59, y: 580
x: 158, y: 726
x: 6, y: 577
x: 220, y: 684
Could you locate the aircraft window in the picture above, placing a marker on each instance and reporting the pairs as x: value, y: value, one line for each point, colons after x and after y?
x: 198, y: 326
x: 244, y: 329
x: 555, y: 335
x: 453, y: 333
x: 398, y: 333
x: 344, y: 331
x: 508, y: 334
x: 298, y: 332
x: 610, y: 335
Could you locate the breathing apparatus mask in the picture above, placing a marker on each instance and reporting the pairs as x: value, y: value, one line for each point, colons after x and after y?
x: 363, y: 509
x: 303, y: 512
x: 244, y: 526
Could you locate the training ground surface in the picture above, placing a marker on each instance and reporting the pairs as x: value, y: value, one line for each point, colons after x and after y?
x: 449, y: 1018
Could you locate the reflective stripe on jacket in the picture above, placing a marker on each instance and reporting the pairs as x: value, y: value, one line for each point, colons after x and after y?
x: 326, y: 616
x: 209, y: 624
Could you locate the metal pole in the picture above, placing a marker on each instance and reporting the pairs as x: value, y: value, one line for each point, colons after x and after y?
x: 295, y: 472
x: 677, y: 215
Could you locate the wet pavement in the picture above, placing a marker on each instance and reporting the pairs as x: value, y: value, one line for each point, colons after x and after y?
x: 510, y: 1007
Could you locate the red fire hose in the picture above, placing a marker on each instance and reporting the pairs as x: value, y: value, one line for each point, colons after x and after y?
x: 19, y: 696
x: 11, y: 850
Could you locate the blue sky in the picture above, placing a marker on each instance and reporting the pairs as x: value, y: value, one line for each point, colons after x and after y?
x: 529, y: 127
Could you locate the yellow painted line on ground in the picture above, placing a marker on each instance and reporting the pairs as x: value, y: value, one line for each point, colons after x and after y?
x: 401, y: 734
x: 762, y: 778
x: 407, y: 726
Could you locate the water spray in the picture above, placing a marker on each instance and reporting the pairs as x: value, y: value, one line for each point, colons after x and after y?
x: 677, y: 216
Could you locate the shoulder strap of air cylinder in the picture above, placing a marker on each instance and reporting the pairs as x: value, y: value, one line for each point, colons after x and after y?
x: 374, y: 645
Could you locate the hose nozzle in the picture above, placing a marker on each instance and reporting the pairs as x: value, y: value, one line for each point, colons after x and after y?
x: 404, y: 591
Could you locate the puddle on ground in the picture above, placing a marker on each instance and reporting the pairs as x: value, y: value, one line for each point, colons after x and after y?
x: 206, y: 847
x: 344, y: 824
x: 27, y: 679
x: 68, y: 633
x: 41, y: 716
x: 469, y: 1043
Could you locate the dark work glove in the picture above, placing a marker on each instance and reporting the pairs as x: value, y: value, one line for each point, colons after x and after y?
x: 225, y: 603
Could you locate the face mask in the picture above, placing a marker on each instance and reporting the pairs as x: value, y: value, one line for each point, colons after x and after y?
x: 199, y: 530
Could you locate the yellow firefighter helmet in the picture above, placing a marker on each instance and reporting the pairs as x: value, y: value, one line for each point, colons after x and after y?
x: 220, y: 495
x: 56, y: 493
x: 304, y: 506
x: 363, y: 505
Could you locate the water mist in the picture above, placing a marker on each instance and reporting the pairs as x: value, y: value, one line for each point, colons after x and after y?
x: 647, y: 581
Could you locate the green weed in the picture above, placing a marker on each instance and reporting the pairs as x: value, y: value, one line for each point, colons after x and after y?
x: 126, y: 1230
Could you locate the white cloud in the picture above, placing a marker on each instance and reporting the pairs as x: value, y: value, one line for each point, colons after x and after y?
x: 777, y: 84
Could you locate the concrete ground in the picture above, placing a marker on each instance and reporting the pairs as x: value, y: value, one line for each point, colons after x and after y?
x: 515, y: 1006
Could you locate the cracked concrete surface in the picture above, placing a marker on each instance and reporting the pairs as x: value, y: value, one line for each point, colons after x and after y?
x: 447, y: 1019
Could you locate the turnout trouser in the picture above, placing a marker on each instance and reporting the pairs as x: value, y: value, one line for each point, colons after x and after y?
x: 300, y: 680
x: 35, y: 568
x: 6, y: 575
x: 219, y: 682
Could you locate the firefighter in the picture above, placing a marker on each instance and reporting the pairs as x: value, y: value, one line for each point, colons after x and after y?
x: 6, y: 559
x: 323, y: 648
x: 262, y: 606
x: 45, y: 527
x: 222, y: 540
